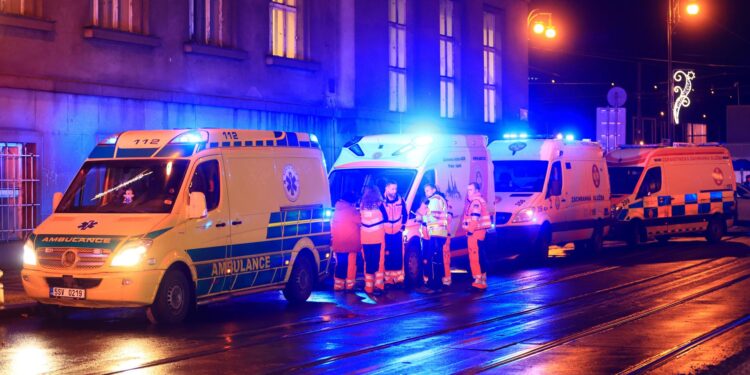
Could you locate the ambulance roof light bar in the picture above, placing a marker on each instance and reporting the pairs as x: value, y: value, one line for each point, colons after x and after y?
x: 111, y: 140
x: 193, y: 136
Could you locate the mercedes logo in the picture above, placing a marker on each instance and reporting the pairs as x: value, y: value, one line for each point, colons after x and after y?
x: 69, y: 258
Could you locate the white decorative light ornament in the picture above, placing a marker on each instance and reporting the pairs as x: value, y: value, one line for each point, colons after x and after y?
x: 682, y: 99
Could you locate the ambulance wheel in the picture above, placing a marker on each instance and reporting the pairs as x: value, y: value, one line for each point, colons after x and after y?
x: 715, y: 230
x: 596, y: 243
x: 412, y: 265
x: 301, y: 280
x: 540, y: 249
x: 173, y: 301
x: 635, y: 234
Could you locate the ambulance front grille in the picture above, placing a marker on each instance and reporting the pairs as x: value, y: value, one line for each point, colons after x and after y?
x: 502, y: 218
x: 85, y: 258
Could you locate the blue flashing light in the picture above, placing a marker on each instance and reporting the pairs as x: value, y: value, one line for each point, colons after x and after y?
x: 191, y: 137
x: 559, y: 136
x: 111, y: 140
x: 423, y: 140
x: 314, y: 138
x: 569, y: 137
x: 510, y: 136
x: 328, y: 212
x: 523, y: 136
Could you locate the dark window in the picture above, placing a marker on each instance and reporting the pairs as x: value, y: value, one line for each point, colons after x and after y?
x: 622, y: 180
x: 519, y: 176
x: 554, y: 187
x: 206, y: 180
x: 209, y: 22
x: 123, y: 15
x: 651, y: 183
x: 354, y: 180
x: 428, y: 177
x: 125, y: 186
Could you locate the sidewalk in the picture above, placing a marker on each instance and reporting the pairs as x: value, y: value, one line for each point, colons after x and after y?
x: 16, y: 301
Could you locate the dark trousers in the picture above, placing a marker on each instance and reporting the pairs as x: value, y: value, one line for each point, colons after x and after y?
x: 394, y: 251
x: 432, y: 262
x: 372, y: 258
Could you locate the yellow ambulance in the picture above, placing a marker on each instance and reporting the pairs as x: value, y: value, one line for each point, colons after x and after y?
x: 168, y: 219
x: 663, y: 191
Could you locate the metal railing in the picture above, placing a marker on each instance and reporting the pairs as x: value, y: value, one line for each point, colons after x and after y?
x: 19, y: 190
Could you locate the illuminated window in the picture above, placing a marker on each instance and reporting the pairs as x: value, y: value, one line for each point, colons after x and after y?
x: 209, y: 22
x: 19, y: 190
x: 490, y: 78
x: 397, y: 55
x: 30, y: 8
x: 447, y: 58
x: 697, y: 133
x: 285, y: 28
x: 123, y: 15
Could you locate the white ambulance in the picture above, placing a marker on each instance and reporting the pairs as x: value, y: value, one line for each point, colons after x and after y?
x: 659, y: 191
x: 451, y: 162
x: 549, y: 191
x: 170, y: 218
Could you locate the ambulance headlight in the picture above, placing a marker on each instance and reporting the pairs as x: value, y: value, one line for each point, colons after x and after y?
x: 131, y: 253
x: 29, y: 255
x: 524, y: 216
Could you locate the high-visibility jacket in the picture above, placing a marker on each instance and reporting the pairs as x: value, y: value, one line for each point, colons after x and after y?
x: 345, y: 228
x: 395, y: 215
x: 436, y: 217
x: 476, y: 216
x: 372, y: 230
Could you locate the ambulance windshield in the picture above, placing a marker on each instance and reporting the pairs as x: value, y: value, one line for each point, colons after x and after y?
x: 125, y: 186
x: 520, y: 176
x: 622, y: 180
x: 352, y: 181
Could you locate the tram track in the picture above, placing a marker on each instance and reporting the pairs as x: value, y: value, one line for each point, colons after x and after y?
x: 239, y: 344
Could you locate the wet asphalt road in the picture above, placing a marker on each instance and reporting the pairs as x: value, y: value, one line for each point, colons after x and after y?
x: 675, y: 308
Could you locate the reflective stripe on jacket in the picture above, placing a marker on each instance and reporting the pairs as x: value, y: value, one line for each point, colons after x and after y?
x: 436, y: 217
x: 476, y: 216
x: 395, y: 215
x: 372, y: 230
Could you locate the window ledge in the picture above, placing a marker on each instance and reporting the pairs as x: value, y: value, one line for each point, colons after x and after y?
x: 292, y: 63
x: 205, y: 49
x: 26, y: 22
x: 120, y: 37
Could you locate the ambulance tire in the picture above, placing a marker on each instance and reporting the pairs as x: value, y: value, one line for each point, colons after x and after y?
x: 301, y: 280
x: 596, y: 243
x: 540, y: 249
x: 412, y: 265
x: 716, y: 229
x: 635, y: 234
x: 174, y: 300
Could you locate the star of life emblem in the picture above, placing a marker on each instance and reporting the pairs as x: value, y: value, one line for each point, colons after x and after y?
x: 290, y: 178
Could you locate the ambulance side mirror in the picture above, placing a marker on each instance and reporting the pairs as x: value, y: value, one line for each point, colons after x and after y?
x: 56, y: 199
x: 197, y: 205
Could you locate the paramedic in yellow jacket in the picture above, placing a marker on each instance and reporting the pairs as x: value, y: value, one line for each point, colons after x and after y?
x: 476, y: 221
x: 436, y: 221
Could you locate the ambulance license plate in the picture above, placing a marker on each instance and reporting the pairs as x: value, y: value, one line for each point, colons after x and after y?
x: 67, y: 293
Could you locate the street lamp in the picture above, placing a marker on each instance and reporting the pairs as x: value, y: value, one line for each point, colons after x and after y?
x: 692, y: 8
x: 542, y: 23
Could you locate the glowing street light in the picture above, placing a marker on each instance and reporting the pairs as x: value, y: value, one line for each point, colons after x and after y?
x: 692, y: 9
x: 550, y: 32
x: 541, y: 23
x: 538, y: 28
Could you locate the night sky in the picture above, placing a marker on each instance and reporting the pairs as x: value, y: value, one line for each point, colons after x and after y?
x: 600, y: 42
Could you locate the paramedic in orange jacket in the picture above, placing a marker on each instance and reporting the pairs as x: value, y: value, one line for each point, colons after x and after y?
x: 345, y: 242
x: 395, y: 209
x: 476, y: 221
x: 372, y: 234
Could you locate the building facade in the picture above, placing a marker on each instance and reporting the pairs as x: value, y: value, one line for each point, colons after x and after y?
x: 74, y: 72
